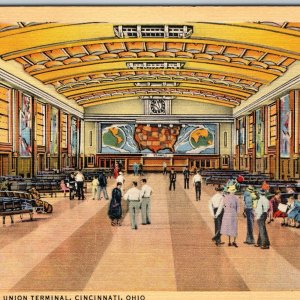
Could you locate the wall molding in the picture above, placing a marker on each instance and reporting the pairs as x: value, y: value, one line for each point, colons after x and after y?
x: 153, y: 119
x: 276, y: 93
x: 34, y: 91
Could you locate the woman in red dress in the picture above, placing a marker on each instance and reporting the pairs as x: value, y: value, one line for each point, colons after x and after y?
x: 116, y: 170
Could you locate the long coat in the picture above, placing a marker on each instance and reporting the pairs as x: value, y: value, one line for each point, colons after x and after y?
x: 230, y: 217
x: 115, y: 207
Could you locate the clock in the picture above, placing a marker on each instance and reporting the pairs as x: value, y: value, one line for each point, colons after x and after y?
x: 157, y: 107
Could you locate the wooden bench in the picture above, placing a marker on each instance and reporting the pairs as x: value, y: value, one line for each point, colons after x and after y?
x: 14, y: 206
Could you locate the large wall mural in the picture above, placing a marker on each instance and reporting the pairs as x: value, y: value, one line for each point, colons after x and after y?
x: 259, y: 134
x: 54, y: 131
x: 285, y: 127
x: 164, y: 139
x: 25, y: 126
x: 74, y: 136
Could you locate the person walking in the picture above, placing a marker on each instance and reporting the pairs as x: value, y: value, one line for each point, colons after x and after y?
x: 79, y: 178
x: 186, y: 177
x: 172, y: 178
x: 102, y: 186
x: 95, y: 187
x: 197, y: 182
x: 261, y: 213
x: 229, y: 225
x: 115, y: 206
x: 133, y: 196
x: 146, y: 192
x: 249, y: 196
x: 164, y: 168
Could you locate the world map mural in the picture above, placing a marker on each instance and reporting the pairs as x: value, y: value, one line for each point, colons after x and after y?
x: 163, y: 139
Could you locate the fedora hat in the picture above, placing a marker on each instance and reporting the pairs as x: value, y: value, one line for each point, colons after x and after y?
x: 250, y: 188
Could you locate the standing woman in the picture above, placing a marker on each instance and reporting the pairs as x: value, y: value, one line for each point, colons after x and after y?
x: 116, y: 170
x: 115, y: 207
x: 230, y: 218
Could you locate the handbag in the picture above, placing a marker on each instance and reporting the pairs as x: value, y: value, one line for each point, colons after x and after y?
x: 283, y: 207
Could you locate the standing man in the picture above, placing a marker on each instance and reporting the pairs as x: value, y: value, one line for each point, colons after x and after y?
x: 120, y: 178
x: 135, y: 169
x: 261, y: 212
x: 102, y: 186
x: 249, y: 196
x: 140, y: 168
x: 164, y: 168
x: 172, y: 178
x: 146, y: 192
x: 133, y: 196
x: 216, y: 208
x: 197, y: 182
x: 79, y: 178
x: 186, y: 176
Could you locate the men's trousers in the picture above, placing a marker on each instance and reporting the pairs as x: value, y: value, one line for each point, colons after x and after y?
x: 249, y: 216
x: 172, y: 183
x: 186, y: 183
x: 100, y: 189
x: 218, y: 223
x: 263, y: 239
x: 198, y: 190
x: 80, y: 192
x: 134, y: 208
x: 145, y: 208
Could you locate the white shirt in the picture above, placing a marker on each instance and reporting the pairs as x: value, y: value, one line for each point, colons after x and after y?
x: 262, y: 206
x: 133, y: 194
x: 146, y: 191
x: 79, y: 177
x: 197, y: 178
x: 120, y: 178
x: 164, y: 164
x: 216, y: 202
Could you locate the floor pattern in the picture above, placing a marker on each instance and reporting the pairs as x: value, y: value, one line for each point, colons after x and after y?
x: 76, y: 249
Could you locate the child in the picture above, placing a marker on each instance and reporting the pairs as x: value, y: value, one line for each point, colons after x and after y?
x: 63, y: 187
x: 95, y: 184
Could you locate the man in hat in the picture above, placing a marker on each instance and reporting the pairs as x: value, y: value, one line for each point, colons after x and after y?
x: 216, y: 208
x: 261, y: 212
x: 248, y: 209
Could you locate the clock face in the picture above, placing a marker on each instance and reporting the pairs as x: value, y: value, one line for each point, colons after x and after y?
x: 158, y: 106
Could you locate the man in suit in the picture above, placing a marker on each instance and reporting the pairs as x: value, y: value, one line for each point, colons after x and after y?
x: 186, y: 177
x: 172, y: 178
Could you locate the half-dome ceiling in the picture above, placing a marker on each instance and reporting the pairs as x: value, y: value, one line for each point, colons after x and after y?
x: 93, y: 63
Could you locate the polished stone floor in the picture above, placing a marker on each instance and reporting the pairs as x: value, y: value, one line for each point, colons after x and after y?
x: 76, y: 249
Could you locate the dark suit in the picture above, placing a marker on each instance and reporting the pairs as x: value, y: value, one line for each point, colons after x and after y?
x: 172, y: 178
x: 186, y: 175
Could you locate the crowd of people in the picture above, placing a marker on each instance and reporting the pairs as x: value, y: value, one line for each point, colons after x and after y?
x: 259, y: 204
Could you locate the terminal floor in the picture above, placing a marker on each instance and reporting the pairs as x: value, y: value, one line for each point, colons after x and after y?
x: 76, y: 249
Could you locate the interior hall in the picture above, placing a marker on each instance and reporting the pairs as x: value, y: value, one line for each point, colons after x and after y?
x: 199, y: 122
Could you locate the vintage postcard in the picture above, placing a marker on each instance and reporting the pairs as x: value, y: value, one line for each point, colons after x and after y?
x: 149, y: 152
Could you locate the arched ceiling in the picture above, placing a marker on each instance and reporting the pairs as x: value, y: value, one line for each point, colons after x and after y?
x: 95, y: 63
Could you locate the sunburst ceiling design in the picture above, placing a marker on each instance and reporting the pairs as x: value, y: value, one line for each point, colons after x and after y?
x: 92, y: 63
